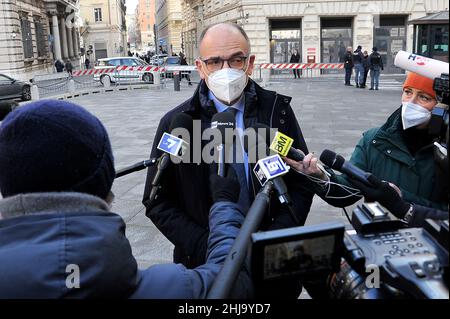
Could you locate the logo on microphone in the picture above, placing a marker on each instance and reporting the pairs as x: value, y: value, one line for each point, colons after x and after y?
x: 216, y: 124
x: 270, y: 167
x: 281, y: 144
x: 420, y: 60
x: 172, y: 145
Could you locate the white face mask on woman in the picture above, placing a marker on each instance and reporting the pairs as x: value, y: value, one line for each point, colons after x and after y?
x: 414, y: 115
x: 227, y: 84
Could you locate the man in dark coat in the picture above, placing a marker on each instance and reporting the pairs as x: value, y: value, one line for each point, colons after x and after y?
x: 358, y: 58
x: 58, y: 238
x: 59, y: 66
x: 348, y: 65
x: 295, y: 58
x: 375, y: 66
x: 180, y: 210
x: 69, y: 67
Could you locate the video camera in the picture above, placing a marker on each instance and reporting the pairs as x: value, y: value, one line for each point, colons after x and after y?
x: 379, y: 259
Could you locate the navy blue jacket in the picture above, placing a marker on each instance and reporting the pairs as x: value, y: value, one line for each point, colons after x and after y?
x: 38, y: 250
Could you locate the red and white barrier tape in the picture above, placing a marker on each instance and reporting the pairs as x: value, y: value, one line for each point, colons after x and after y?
x: 119, y: 68
x: 302, y: 66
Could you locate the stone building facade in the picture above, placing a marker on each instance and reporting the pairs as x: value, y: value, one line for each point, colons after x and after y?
x: 104, y: 30
x: 320, y: 30
x: 34, y: 33
x: 169, y: 23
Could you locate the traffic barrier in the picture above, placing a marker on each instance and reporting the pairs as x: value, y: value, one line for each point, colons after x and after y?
x: 293, y: 66
x: 118, y: 68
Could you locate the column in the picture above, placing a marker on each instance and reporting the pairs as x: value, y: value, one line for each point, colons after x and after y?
x: 76, y: 49
x: 62, y: 27
x: 70, y: 41
x: 56, y: 42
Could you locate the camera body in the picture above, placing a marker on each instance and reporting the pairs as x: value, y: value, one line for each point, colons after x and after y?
x: 379, y: 259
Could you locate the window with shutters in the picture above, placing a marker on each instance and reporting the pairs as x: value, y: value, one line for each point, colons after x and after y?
x: 27, y: 40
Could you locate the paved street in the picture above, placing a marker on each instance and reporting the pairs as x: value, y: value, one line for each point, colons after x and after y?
x: 330, y: 114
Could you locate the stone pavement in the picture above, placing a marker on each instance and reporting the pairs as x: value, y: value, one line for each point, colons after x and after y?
x: 330, y: 114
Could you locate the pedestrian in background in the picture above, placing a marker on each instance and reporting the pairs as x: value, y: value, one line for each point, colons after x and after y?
x: 358, y: 64
x: 185, y: 74
x: 348, y: 65
x: 69, y: 67
x: 87, y: 63
x: 376, y: 66
x: 59, y: 66
x: 295, y: 58
x: 365, y: 63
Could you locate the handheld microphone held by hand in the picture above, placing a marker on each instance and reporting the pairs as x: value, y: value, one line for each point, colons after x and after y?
x: 222, y: 121
x: 269, y: 168
x: 424, y: 66
x: 170, y: 145
x: 281, y: 143
x: 337, y: 162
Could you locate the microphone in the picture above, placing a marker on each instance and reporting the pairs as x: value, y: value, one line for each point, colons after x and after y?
x: 337, y: 162
x: 421, y: 65
x: 222, y: 121
x: 269, y: 168
x: 136, y: 167
x: 170, y: 145
x: 280, y: 144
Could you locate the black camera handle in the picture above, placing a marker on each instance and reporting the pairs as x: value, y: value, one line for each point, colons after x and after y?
x: 235, y: 259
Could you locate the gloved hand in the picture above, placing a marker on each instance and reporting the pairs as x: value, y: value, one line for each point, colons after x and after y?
x: 225, y: 188
x: 383, y: 193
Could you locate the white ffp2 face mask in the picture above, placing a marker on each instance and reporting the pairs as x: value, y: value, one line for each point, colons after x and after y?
x: 227, y: 84
x: 414, y: 115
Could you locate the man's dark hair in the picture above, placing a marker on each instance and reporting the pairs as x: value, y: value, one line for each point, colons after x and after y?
x: 234, y: 25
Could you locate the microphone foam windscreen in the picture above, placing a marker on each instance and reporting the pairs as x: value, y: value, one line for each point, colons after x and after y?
x: 328, y: 158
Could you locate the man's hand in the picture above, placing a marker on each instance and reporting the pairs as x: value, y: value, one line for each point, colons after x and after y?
x: 225, y: 188
x: 385, y: 194
x: 308, y: 166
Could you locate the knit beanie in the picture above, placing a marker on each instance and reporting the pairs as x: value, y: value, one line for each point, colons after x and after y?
x: 418, y: 82
x: 54, y: 146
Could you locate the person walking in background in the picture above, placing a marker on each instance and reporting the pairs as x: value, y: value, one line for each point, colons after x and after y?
x: 69, y: 67
x: 348, y: 65
x: 87, y: 63
x: 375, y: 66
x: 358, y: 64
x: 365, y: 63
x: 185, y: 74
x: 295, y: 58
x: 59, y: 66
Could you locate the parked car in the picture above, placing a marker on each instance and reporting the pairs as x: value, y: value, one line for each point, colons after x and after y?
x: 13, y: 89
x: 158, y: 59
x: 123, y: 76
x: 171, y: 61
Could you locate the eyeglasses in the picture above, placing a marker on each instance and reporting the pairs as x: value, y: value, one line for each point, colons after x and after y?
x: 215, y: 64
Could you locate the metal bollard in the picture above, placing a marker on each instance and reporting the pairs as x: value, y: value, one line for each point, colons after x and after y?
x: 156, y: 78
x: 34, y: 92
x: 176, y: 81
x: 71, y: 86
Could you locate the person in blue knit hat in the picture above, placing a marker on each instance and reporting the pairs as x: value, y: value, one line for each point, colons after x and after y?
x: 58, y: 238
